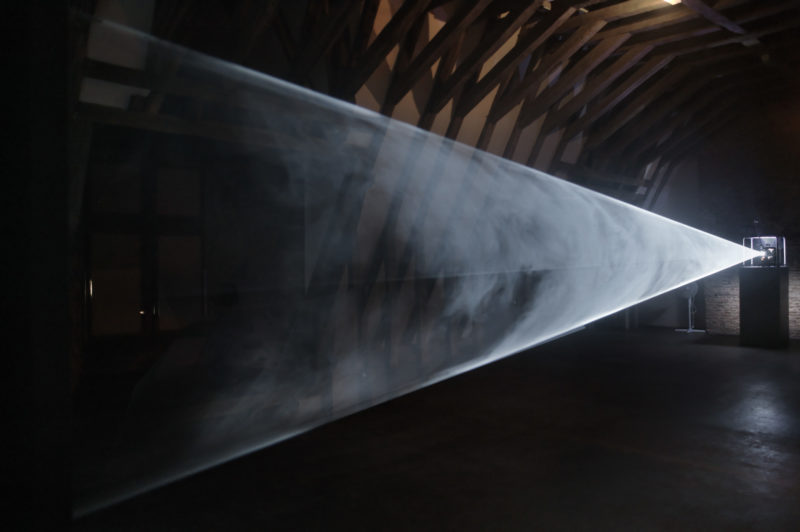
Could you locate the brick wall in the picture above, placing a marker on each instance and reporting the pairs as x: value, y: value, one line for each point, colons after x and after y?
x: 794, y: 303
x: 722, y: 302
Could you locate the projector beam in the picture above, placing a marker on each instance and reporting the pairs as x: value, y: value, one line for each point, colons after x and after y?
x: 403, y: 258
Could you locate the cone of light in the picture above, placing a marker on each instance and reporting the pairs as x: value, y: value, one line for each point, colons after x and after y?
x: 409, y: 259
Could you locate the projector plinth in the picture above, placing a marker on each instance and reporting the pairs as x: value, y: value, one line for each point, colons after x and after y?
x: 764, y: 307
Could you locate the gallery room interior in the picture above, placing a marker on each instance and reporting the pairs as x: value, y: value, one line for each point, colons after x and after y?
x: 405, y: 265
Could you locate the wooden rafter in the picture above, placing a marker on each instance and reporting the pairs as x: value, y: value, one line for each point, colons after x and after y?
x: 331, y: 29
x: 632, y: 76
x: 408, y: 14
x: 694, y: 27
x: 716, y: 38
x: 488, y: 126
x: 691, y: 138
x: 615, y: 12
x: 692, y: 131
x: 654, y: 138
x: 642, y: 127
x: 650, y: 96
x: 595, y: 86
x: 656, y: 20
x: 473, y: 62
x: 636, y: 106
x: 549, y: 65
x: 571, y: 77
x: 662, y: 19
x: 641, y: 75
x: 364, y: 28
x: 653, y: 127
x: 651, y: 144
x: 435, y: 48
x: 443, y: 72
x: 685, y: 104
x: 406, y: 50
x: 714, y: 16
x: 600, y: 110
x: 527, y: 44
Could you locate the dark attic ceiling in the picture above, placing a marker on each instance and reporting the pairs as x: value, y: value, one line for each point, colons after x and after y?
x: 607, y: 93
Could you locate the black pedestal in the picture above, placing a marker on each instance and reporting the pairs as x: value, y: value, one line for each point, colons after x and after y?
x: 764, y: 307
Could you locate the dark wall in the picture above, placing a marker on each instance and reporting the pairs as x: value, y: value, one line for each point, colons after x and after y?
x: 35, y: 350
x: 750, y: 170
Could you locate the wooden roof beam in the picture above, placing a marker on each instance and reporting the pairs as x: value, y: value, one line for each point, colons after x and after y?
x: 696, y: 29
x: 364, y: 28
x: 473, y: 62
x: 595, y: 86
x: 656, y: 135
x: 714, y: 55
x: 444, y: 70
x: 541, y: 103
x: 718, y: 107
x: 514, y: 136
x: 697, y: 44
x: 692, y: 131
x: 408, y: 14
x: 544, y: 28
x: 713, y: 16
x: 321, y: 44
x: 617, y: 11
x: 406, y: 49
x: 637, y: 105
x: 652, y: 129
x: 691, y: 139
x: 761, y: 10
x: 549, y: 66
x: 634, y: 81
x: 673, y: 102
x: 651, y: 148
x: 443, y: 39
x: 633, y: 109
x: 636, y: 132
x: 660, y: 19
x: 678, y: 33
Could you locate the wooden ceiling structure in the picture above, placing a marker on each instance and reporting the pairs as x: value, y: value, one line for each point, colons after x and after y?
x: 610, y: 94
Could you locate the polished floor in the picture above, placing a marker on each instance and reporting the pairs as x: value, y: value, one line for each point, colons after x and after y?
x: 645, y: 430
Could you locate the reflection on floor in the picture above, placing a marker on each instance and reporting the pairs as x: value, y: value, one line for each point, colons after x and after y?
x: 598, y: 430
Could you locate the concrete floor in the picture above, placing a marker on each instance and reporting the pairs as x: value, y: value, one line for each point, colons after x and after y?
x: 649, y: 430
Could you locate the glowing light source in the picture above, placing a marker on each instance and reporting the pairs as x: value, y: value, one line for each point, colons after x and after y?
x: 673, y: 2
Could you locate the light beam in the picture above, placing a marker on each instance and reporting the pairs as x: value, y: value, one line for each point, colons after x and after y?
x: 398, y: 258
